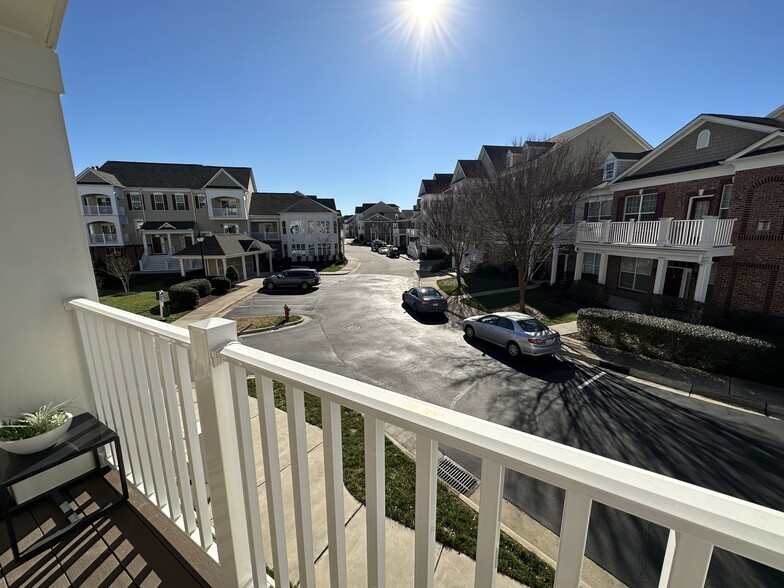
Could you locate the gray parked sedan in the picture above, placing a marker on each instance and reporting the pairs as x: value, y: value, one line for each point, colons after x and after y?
x: 520, y: 333
x: 424, y: 300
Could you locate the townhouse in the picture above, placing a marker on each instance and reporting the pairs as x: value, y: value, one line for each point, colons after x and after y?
x: 700, y: 217
x: 377, y: 220
x: 297, y: 226
x: 149, y: 211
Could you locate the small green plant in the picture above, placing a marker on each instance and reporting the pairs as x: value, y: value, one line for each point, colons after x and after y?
x: 31, y: 424
x: 232, y: 274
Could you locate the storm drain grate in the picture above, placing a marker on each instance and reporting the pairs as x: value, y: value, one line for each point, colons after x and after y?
x: 309, y: 308
x: 456, y: 477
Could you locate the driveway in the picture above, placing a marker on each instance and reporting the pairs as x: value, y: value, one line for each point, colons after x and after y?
x: 361, y: 330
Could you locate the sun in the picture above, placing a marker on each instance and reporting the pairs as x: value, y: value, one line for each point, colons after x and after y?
x: 424, y: 12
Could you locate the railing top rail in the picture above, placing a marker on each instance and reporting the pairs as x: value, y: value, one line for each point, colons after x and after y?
x: 128, y: 319
x: 747, y: 529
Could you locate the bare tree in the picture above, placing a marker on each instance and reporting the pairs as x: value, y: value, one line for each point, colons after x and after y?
x: 450, y: 219
x: 521, y: 207
x: 119, y: 266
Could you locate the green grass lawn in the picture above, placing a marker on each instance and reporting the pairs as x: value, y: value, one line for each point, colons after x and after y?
x: 141, y: 299
x: 456, y: 522
x: 472, y: 283
x: 335, y: 267
x: 245, y: 323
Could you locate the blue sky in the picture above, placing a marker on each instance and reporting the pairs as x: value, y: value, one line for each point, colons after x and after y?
x: 358, y: 101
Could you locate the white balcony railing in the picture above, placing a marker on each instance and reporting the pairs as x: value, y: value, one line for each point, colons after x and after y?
x: 225, y: 212
x: 143, y: 374
x: 266, y: 236
x: 412, y: 232
x: 104, y: 238
x: 703, y: 233
x: 93, y: 210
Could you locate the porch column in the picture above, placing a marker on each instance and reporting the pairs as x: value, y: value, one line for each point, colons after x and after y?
x: 223, y: 263
x: 708, y: 235
x: 578, y: 265
x: 703, y: 276
x: 270, y: 261
x: 664, y: 232
x: 661, y: 271
x: 554, y: 265
x: 604, y: 234
x: 244, y: 269
x: 182, y: 267
x: 603, y: 267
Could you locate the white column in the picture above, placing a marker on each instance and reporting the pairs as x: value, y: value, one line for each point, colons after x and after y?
x: 708, y: 235
x: 554, y: 265
x: 630, y: 231
x: 604, y: 234
x: 270, y: 261
x: 221, y: 447
x: 603, y: 267
x: 244, y: 269
x: 578, y: 265
x: 661, y: 272
x: 664, y: 232
x: 703, y: 276
x: 223, y: 263
x: 182, y: 268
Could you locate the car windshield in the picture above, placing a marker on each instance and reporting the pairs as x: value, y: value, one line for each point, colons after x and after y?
x: 429, y: 293
x: 531, y: 325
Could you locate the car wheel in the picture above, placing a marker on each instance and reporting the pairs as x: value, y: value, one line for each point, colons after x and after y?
x: 269, y: 286
x: 469, y: 332
x: 305, y: 286
x: 513, y: 349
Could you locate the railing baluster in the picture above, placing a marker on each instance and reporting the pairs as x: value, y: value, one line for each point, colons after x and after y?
x: 375, y: 495
x: 250, y: 486
x: 574, y: 532
x: 686, y: 561
x: 265, y: 397
x: 489, y: 524
x: 425, y: 515
x: 92, y: 367
x: 192, y: 444
x: 295, y: 411
x: 131, y: 392
x: 333, y: 473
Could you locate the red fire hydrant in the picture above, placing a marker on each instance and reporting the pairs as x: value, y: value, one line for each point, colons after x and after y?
x: 286, y: 311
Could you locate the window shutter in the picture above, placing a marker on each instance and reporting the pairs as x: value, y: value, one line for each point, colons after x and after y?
x: 152, y: 201
x: 166, y: 201
x: 185, y: 197
x: 585, y: 212
x: 128, y: 196
x: 619, y: 209
x: 660, y: 204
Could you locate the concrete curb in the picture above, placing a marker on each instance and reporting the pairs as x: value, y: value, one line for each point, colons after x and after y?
x: 303, y: 320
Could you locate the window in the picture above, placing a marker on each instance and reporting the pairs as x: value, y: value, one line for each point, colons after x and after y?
x: 726, y: 195
x: 591, y: 263
x: 763, y: 225
x: 297, y: 227
x: 322, y: 227
x: 179, y: 202
x: 310, y: 227
x: 508, y: 159
x: 136, y: 200
x: 231, y: 229
x: 283, y: 226
x: 703, y: 139
x: 158, y: 201
x: 139, y: 224
x: 335, y: 227
x: 609, y: 170
x: 285, y: 250
x: 636, y: 274
x: 599, y: 210
x: 201, y: 200
x: 311, y: 250
x: 641, y: 207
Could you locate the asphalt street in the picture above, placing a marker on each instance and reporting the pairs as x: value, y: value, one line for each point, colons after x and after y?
x: 360, y: 329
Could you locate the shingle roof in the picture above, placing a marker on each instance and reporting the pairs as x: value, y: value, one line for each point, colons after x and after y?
x: 161, y: 225
x: 628, y: 155
x: 472, y: 168
x: 758, y: 120
x: 224, y: 246
x: 673, y: 170
x: 442, y: 182
x: 497, y: 153
x: 107, y: 177
x: 171, y: 175
x: 267, y: 203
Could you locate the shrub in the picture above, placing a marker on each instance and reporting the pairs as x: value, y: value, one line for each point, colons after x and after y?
x: 220, y: 284
x: 589, y: 292
x: 201, y: 285
x: 232, y: 274
x: 673, y: 307
x: 183, y: 296
x: 700, y: 346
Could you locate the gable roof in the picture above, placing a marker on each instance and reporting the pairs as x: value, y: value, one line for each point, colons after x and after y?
x: 224, y: 246
x: 471, y: 168
x: 95, y: 176
x: 376, y: 207
x: 757, y: 120
x: 168, y: 225
x: 172, y: 175
x: 497, y: 154
x: 630, y: 156
x: 270, y: 203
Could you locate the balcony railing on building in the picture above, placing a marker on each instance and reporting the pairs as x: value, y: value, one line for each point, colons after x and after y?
x: 268, y: 236
x: 703, y: 233
x: 412, y: 232
x: 225, y: 212
x: 95, y: 210
x: 107, y: 238
x: 179, y: 400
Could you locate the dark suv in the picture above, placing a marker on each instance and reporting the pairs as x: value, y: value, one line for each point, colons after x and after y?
x: 393, y: 252
x: 293, y: 278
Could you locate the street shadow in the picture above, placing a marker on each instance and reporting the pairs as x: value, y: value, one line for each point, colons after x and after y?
x: 552, y: 369
x: 426, y: 318
x: 287, y: 291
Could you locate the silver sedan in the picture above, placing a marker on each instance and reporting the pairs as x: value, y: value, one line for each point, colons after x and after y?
x: 520, y: 333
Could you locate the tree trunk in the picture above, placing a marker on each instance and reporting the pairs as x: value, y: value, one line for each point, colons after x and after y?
x: 459, y: 274
x: 522, y: 281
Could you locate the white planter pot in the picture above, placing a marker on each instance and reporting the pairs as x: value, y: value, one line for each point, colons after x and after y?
x: 39, y: 442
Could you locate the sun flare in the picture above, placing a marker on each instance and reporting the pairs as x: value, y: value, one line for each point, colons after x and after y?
x: 425, y: 12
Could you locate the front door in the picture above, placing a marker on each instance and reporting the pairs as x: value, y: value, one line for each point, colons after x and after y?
x: 700, y: 208
x: 157, y: 245
x: 188, y: 241
x: 676, y: 281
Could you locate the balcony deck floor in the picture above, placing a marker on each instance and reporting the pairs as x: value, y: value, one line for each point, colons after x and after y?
x: 120, y: 549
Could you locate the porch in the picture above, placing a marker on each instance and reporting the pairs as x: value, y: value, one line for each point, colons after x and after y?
x: 703, y: 234
x: 158, y: 384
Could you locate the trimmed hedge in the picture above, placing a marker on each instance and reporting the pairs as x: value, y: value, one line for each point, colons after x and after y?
x: 183, y: 296
x: 699, y: 346
x: 232, y: 274
x: 221, y: 285
x: 202, y: 286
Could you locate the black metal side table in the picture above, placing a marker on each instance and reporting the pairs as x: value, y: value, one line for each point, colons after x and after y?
x: 86, y: 434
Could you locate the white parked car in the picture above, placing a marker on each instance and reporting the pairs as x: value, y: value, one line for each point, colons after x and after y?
x: 520, y: 334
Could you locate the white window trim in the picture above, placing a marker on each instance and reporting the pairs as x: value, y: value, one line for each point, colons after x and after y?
x: 703, y: 139
x: 728, y: 194
x: 136, y: 200
x: 609, y: 174
x: 200, y: 201
x: 635, y: 273
x: 638, y: 213
x: 177, y: 202
x: 593, y: 266
x: 155, y: 203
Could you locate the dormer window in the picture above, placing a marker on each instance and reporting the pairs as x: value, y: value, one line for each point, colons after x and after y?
x: 508, y: 159
x: 703, y: 139
x: 609, y: 170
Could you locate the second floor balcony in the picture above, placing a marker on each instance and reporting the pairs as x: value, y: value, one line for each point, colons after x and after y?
x: 265, y: 235
x: 97, y: 209
x: 412, y: 232
x: 699, y: 234
x: 108, y: 239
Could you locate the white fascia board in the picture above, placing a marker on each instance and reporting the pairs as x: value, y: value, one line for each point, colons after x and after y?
x: 739, y: 123
x: 655, y: 252
x: 758, y: 161
x: 698, y: 174
x: 233, y: 179
x: 774, y: 135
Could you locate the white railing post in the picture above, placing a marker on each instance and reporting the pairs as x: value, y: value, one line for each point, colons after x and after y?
x: 574, y: 532
x: 425, y: 512
x: 663, y: 239
x: 222, y: 451
x: 487, y: 541
x: 580, y: 231
x: 578, y: 266
x: 686, y: 561
x: 708, y: 234
x: 604, y: 235
x: 629, y: 231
